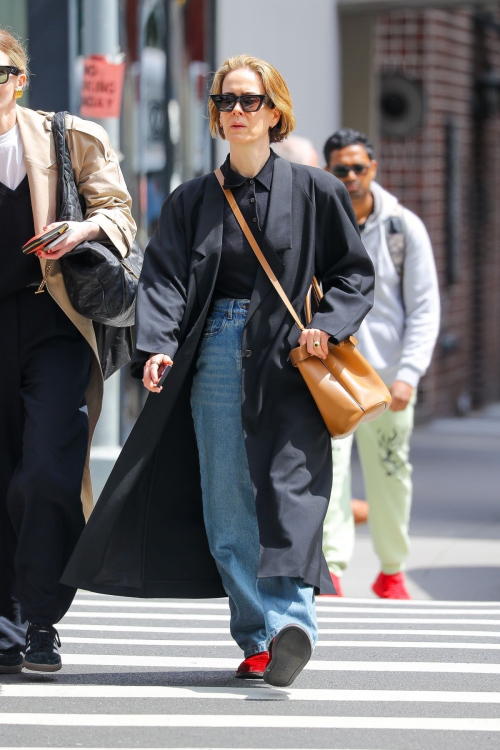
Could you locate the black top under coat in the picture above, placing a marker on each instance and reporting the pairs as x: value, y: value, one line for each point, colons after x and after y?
x: 238, y: 264
x: 16, y: 228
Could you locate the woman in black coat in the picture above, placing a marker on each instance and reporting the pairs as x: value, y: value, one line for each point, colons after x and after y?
x: 231, y: 461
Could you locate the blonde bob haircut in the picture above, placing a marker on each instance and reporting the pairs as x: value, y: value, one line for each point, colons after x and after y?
x: 274, y: 86
x: 14, y: 48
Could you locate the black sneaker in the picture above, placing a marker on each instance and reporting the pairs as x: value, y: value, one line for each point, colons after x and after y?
x: 289, y: 653
x: 41, y: 653
x: 11, y: 660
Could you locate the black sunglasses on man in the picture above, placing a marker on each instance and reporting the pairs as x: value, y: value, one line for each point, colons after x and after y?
x: 342, y: 170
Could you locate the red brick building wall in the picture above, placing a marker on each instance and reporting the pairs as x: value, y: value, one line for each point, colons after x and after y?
x: 438, y: 49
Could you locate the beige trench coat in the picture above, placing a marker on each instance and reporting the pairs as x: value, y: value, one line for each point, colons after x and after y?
x: 100, y: 181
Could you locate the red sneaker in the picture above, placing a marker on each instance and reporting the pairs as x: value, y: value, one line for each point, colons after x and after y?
x: 391, y: 587
x: 337, y: 584
x: 253, y: 667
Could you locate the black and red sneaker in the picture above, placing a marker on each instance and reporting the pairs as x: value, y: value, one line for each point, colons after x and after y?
x: 253, y: 667
x: 289, y: 653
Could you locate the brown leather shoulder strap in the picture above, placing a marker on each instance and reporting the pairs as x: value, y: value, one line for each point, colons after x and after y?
x: 255, y: 247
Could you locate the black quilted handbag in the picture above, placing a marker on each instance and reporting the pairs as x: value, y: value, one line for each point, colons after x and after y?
x: 101, y: 285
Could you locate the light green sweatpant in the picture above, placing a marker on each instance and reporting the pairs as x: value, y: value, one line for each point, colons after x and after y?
x: 383, y: 447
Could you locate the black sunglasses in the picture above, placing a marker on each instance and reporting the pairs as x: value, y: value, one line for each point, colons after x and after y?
x: 6, y: 71
x: 342, y: 170
x: 248, y: 102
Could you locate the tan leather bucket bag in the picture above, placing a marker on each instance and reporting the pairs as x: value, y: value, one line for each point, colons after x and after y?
x: 346, y: 389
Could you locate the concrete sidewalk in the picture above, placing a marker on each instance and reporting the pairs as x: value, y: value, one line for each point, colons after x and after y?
x: 455, y: 526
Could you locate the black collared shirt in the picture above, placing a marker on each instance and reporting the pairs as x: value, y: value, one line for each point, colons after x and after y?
x: 238, y: 265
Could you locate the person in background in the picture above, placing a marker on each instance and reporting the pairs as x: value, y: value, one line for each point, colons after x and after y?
x: 397, y: 337
x: 50, y: 378
x: 298, y: 150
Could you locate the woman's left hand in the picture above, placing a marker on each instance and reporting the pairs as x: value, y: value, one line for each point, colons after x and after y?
x: 81, y: 231
x: 311, y: 335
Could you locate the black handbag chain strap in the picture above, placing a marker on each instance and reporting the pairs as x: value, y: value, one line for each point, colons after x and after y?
x: 70, y: 204
x: 68, y: 200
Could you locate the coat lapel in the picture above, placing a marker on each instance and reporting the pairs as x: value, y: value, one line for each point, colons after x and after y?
x: 208, y: 236
x: 39, y: 154
x: 277, y: 231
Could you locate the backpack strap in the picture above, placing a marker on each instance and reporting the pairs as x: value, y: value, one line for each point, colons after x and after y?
x: 396, y: 240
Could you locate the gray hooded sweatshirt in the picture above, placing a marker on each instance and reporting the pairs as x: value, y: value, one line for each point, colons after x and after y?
x: 398, y: 335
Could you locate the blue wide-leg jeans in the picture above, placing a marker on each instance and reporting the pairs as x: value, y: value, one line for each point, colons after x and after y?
x: 260, y: 607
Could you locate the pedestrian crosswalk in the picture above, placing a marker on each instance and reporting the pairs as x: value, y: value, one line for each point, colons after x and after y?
x: 160, y: 674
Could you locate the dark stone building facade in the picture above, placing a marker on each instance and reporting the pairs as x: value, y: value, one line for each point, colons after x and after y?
x: 438, y: 143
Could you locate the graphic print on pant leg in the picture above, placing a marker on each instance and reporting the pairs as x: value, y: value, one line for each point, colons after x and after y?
x: 387, y: 475
x: 389, y: 445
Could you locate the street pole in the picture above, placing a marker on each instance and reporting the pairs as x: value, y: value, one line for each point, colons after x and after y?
x: 101, y: 37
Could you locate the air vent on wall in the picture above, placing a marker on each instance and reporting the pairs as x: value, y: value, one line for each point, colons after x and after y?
x: 401, y: 105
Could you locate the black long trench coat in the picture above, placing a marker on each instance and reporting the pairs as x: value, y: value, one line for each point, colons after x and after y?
x: 146, y: 536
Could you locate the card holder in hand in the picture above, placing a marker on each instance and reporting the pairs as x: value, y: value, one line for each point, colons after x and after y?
x: 39, y: 241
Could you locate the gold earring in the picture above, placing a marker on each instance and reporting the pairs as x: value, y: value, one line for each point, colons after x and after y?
x: 18, y: 93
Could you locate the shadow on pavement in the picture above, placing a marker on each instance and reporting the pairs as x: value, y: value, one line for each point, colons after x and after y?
x: 168, y: 678
x: 459, y: 584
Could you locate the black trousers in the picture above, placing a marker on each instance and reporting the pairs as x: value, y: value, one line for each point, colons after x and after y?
x: 44, y: 373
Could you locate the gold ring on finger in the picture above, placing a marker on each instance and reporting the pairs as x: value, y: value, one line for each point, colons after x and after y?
x: 317, y: 344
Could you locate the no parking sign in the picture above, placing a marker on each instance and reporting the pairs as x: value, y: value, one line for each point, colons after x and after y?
x: 102, y: 88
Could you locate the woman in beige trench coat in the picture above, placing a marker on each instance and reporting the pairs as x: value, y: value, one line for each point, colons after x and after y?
x: 50, y: 383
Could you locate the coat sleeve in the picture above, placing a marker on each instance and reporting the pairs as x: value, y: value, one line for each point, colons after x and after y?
x: 100, y: 182
x: 342, y: 263
x: 162, y: 293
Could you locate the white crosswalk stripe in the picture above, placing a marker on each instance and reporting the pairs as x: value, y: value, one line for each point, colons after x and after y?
x: 154, y: 643
x: 84, y: 627
x: 225, y: 617
x: 248, y: 721
x: 379, y: 603
x: 117, y: 660
x: 256, y: 693
x: 133, y: 668
x: 319, y: 607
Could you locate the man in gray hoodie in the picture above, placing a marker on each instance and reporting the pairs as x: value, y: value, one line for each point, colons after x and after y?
x: 397, y: 337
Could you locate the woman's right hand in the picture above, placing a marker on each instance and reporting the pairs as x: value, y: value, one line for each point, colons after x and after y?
x: 153, y: 370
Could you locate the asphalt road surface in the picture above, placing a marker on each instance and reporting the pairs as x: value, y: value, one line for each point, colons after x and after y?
x: 159, y: 674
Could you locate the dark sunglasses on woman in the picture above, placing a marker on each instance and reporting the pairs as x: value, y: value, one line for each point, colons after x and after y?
x: 342, y: 170
x: 6, y: 71
x: 248, y: 102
